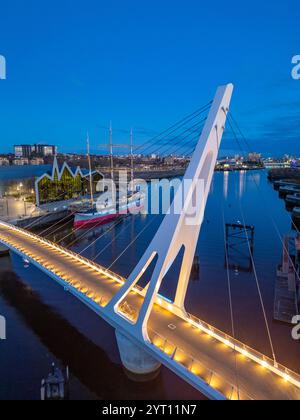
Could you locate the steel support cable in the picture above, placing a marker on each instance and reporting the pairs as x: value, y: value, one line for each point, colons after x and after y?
x: 58, y: 223
x: 259, y: 288
x: 165, y: 135
x: 188, y: 145
x: 162, y: 142
x: 188, y: 118
x: 178, y: 125
x: 255, y: 273
x: 112, y: 226
x: 86, y: 231
x: 229, y: 290
x: 112, y: 241
x: 42, y: 217
x: 272, y: 220
x: 182, y: 122
x: 198, y: 129
x: 231, y: 304
x: 131, y: 243
x: 61, y: 220
x: 249, y: 150
x: 182, y: 135
x: 99, y: 223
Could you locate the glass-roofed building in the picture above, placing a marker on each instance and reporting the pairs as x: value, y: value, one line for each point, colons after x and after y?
x: 65, y: 183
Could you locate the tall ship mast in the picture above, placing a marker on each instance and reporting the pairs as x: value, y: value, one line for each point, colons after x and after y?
x: 111, y: 152
x: 131, y: 156
x: 132, y: 202
x: 90, y: 169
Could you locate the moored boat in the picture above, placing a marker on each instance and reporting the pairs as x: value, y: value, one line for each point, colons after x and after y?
x: 131, y: 205
x: 293, y: 200
x: 296, y: 213
x: 285, y: 183
x: 131, y: 202
x: 55, y: 386
x: 288, y: 190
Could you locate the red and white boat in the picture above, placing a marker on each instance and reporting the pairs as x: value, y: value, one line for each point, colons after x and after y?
x: 133, y: 204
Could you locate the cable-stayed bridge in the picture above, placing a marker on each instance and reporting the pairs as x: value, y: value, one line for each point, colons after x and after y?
x: 150, y: 329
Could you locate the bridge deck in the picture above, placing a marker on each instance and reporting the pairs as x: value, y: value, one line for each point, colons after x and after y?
x: 197, y: 351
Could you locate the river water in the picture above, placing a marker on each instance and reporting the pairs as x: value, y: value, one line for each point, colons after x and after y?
x: 45, y: 324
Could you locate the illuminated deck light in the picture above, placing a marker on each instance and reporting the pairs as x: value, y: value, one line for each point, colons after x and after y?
x: 251, y: 354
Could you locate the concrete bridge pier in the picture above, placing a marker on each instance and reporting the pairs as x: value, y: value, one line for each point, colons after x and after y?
x: 139, y: 365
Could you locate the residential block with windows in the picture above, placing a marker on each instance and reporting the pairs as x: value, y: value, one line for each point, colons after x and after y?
x: 27, y: 150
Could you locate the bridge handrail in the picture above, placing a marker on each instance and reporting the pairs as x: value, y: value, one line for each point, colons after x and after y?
x: 104, y: 271
x: 213, y: 376
x: 247, y: 351
x: 265, y: 361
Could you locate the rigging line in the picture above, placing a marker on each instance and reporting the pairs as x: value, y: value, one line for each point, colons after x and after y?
x: 131, y: 243
x: 270, y: 216
x: 255, y: 273
x: 248, y: 147
x: 200, y: 110
x: 166, y: 137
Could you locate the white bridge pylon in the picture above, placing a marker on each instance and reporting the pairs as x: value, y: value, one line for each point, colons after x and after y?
x: 180, y: 231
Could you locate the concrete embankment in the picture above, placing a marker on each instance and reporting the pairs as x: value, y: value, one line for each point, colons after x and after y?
x: 155, y: 174
x: 41, y: 221
x: 284, y: 173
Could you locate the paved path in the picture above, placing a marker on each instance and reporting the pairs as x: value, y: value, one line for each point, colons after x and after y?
x: 196, y: 350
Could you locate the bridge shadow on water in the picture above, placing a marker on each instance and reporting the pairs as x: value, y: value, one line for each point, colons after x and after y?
x: 88, y: 363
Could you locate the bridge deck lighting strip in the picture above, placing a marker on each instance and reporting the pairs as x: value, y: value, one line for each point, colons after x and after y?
x: 248, y: 353
x: 286, y: 374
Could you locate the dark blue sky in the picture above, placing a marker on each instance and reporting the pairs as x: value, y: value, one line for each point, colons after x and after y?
x: 74, y: 65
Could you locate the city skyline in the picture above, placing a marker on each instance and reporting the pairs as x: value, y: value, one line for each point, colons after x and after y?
x: 105, y: 62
